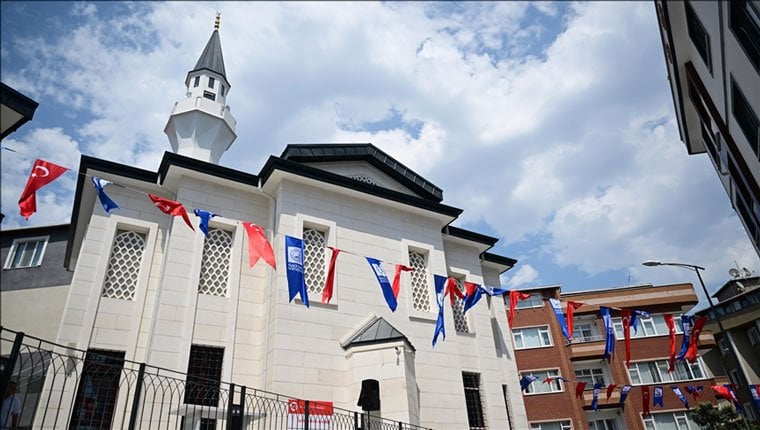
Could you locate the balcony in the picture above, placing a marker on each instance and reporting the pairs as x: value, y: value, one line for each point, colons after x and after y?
x: 587, y: 347
x: 706, y: 340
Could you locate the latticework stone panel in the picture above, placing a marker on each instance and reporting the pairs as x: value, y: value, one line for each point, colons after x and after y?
x: 420, y: 292
x: 314, y: 243
x: 215, y: 265
x: 124, y: 265
x: 460, y: 319
x: 364, y: 178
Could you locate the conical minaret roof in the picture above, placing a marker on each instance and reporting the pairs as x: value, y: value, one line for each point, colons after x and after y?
x: 211, y: 58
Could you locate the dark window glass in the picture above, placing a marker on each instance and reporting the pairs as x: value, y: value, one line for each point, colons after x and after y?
x: 209, y: 95
x: 97, y: 391
x: 698, y: 36
x: 221, y: 88
x: 506, y: 403
x: 474, y: 402
x: 204, y: 373
x: 210, y: 82
x: 745, y: 24
x: 746, y: 117
x: 197, y: 81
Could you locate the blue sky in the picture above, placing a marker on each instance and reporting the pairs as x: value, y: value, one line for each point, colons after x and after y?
x: 551, y: 124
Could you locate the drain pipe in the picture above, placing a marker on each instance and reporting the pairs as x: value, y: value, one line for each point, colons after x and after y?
x: 270, y: 288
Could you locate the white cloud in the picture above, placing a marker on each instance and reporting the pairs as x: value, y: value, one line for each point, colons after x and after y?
x: 525, y: 275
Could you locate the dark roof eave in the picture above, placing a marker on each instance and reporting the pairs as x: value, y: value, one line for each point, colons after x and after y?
x: 381, y: 341
x: 500, y: 260
x: 469, y: 235
x: 176, y: 160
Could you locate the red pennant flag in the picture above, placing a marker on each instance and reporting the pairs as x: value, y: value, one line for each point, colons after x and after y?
x: 693, y: 352
x: 470, y: 288
x: 571, y: 307
x: 330, y: 279
x: 645, y: 399
x: 610, y: 389
x: 258, y: 245
x: 672, y: 335
x: 170, y: 207
x: 514, y: 296
x: 453, y: 290
x: 579, y: 389
x: 396, y: 287
x: 43, y: 173
x: 625, y: 317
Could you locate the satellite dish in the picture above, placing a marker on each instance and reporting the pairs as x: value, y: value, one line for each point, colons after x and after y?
x: 734, y: 272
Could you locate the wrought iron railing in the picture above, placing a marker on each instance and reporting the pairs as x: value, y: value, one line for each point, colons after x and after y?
x: 67, y: 388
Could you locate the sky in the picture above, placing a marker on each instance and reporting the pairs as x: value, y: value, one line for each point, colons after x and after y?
x: 550, y: 124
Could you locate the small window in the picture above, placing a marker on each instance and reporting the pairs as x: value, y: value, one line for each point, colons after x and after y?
x: 552, y: 425
x: 745, y: 24
x: 221, y: 90
x: 209, y: 95
x: 96, y: 399
x: 211, y: 82
x: 698, y: 35
x: 474, y: 400
x: 536, y: 300
x: 745, y: 117
x: 590, y: 377
x: 539, y: 387
x: 670, y: 420
x: 26, y: 253
x: 754, y: 335
x: 204, y: 373
x: 531, y: 337
x: 124, y: 265
x: 603, y: 424
x: 197, y: 81
x: 510, y: 419
x: 215, y: 264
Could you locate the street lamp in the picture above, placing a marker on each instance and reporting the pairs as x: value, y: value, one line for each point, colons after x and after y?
x: 723, y: 332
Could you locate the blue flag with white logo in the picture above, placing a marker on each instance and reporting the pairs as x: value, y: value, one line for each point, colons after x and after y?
x: 382, y: 279
x: 624, y: 395
x: 686, y: 340
x: 560, y: 316
x: 205, y: 216
x: 635, y: 319
x: 440, y: 283
x: 681, y: 396
x: 609, y: 330
x: 108, y: 204
x: 657, y: 397
x: 526, y: 380
x: 595, y: 399
x: 294, y: 263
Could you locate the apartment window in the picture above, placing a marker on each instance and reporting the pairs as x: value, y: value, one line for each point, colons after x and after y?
x: 211, y: 82
x: 124, y: 265
x: 649, y: 372
x: 474, y: 400
x: 209, y: 95
x: 204, y: 374
x: 538, y: 386
x: 698, y: 35
x: 221, y: 90
x: 654, y: 325
x: 215, y: 264
x: 745, y: 117
x: 604, y: 424
x: 724, y: 348
x: 536, y: 300
x: 26, y: 253
x: 460, y: 319
x: 314, y: 244
x: 670, y: 420
x: 197, y: 81
x: 745, y: 24
x: 754, y: 335
x: 733, y: 376
x: 586, y: 332
x: 590, y: 377
x: 552, y: 425
x: 532, y: 337
x: 98, y: 388
x: 420, y: 290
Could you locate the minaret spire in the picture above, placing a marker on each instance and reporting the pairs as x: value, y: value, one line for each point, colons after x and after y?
x: 201, y: 125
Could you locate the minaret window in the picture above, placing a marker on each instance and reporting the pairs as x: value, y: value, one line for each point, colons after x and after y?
x: 209, y: 95
x: 210, y: 82
x: 197, y: 81
x: 221, y: 89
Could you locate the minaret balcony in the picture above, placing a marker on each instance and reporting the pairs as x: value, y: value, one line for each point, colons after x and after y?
x: 205, y: 105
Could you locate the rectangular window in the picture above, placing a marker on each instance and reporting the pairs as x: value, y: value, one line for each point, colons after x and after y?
x: 510, y: 419
x: 197, y: 81
x: 221, y: 90
x: 532, y: 337
x: 536, y: 300
x: 745, y: 24
x: 215, y: 264
x: 211, y: 82
x: 314, y: 245
x: 204, y: 375
x: 460, y: 319
x: 538, y: 386
x: 209, y: 95
x: 553, y: 425
x: 745, y: 117
x: 590, y: 377
x: 650, y: 372
x: 124, y: 265
x: 474, y: 401
x: 670, y: 420
x: 653, y: 326
x: 98, y: 387
x: 26, y: 253
x: 604, y: 424
x: 754, y: 335
x: 419, y: 281
x: 698, y: 35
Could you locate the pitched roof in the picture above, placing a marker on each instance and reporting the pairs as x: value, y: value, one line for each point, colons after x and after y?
x: 377, y: 330
x: 211, y: 59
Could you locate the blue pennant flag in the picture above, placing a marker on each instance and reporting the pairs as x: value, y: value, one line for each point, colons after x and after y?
x: 472, y: 299
x: 754, y: 389
x: 609, y: 330
x: 635, y: 319
x: 560, y: 316
x: 657, y: 397
x: 382, y: 279
x: 108, y: 204
x: 624, y: 395
x: 526, y: 380
x: 681, y: 396
x: 440, y: 283
x: 686, y: 322
x: 205, y: 216
x: 294, y: 263
x: 595, y: 400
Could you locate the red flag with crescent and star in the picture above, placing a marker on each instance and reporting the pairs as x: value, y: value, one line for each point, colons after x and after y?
x: 43, y: 173
x: 170, y: 207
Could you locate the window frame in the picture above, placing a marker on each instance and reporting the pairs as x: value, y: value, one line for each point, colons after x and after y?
x: 197, y: 81
x: 14, y: 248
x: 644, y: 323
x: 428, y: 251
x: 556, y: 386
x: 123, y: 228
x: 330, y: 229
x: 676, y: 414
x: 562, y: 425
x: 231, y: 231
x: 461, y: 277
x: 753, y: 334
x: 694, y: 22
x: 738, y: 99
x: 662, y: 363
x: 480, y: 412
x: 540, y: 332
x: 211, y: 82
x: 536, y: 301
x: 594, y: 372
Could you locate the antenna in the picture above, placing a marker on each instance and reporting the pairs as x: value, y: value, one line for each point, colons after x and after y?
x: 217, y: 19
x: 735, y: 273
x: 747, y: 272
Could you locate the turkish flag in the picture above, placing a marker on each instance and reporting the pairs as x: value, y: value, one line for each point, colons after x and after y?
x: 327, y: 291
x: 170, y: 207
x: 43, y: 173
x: 396, y: 286
x: 258, y: 245
x: 452, y: 289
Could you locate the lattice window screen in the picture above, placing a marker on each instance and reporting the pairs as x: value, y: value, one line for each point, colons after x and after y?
x: 364, y: 178
x: 124, y: 265
x: 460, y: 319
x: 419, y: 281
x: 314, y: 242
x: 215, y: 265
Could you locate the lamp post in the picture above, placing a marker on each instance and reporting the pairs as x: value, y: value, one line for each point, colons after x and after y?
x: 723, y: 332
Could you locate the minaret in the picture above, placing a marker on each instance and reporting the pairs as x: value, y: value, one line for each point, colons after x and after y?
x: 201, y: 125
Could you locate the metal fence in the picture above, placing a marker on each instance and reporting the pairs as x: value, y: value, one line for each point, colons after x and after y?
x: 60, y: 387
